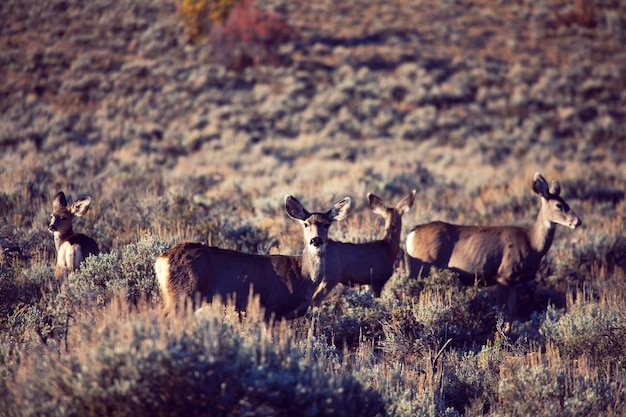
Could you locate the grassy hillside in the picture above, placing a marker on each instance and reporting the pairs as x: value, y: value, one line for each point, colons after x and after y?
x: 184, y: 138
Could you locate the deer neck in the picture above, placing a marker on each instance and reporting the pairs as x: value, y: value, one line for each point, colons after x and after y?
x: 393, y: 229
x: 313, y: 266
x: 541, y: 234
x: 60, y: 238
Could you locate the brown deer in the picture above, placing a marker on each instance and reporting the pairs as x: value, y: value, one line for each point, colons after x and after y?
x: 496, y: 255
x: 284, y: 284
x: 71, y: 248
x: 370, y: 262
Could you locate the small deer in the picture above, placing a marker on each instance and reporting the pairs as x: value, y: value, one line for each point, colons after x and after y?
x: 370, y: 262
x: 496, y: 255
x: 284, y: 284
x: 71, y: 248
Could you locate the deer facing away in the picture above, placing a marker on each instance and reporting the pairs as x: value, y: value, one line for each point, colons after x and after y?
x: 368, y: 263
x: 71, y: 248
x: 496, y: 255
x: 284, y: 284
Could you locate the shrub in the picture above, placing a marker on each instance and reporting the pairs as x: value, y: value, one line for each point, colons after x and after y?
x: 542, y: 384
x: 220, y: 9
x: 139, y: 281
x: 217, y: 366
x: 444, y: 308
x: 22, y: 287
x: 250, y: 37
x: 130, y: 275
x: 195, y: 15
x: 471, y: 378
x: 247, y: 238
x: 200, y: 15
x: 41, y: 313
x: 590, y: 329
x: 349, y: 317
x: 23, y: 296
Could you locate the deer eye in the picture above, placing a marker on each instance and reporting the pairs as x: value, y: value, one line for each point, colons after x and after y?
x: 559, y: 207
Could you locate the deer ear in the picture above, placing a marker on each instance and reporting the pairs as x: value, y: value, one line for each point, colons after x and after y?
x: 555, y: 188
x: 376, y: 204
x: 540, y: 185
x: 406, y: 203
x: 59, y: 201
x: 340, y: 209
x: 80, y: 206
x: 294, y: 208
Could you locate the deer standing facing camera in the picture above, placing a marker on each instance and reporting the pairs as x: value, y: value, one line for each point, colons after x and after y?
x: 71, y: 248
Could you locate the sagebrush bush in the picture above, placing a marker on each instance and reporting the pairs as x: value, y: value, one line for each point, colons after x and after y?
x: 590, y: 329
x: 138, y: 366
x: 471, y: 379
x: 129, y: 273
x: 138, y: 269
x: 446, y: 309
x: 410, y: 392
x: 21, y: 287
x: 545, y: 385
x: 348, y: 318
x: 24, y: 297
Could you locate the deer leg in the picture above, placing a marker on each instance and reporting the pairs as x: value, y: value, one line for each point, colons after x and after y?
x: 507, y: 302
x: 512, y: 302
x: 502, y: 295
x: 417, y: 268
x: 377, y: 288
x: 321, y: 292
x: 299, y: 311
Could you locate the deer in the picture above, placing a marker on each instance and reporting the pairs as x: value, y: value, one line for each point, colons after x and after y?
x: 71, y: 248
x: 494, y: 255
x: 369, y: 263
x: 284, y: 284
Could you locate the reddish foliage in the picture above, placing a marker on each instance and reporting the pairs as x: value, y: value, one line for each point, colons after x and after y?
x: 250, y: 37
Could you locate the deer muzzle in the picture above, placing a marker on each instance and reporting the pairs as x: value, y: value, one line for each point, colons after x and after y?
x: 317, y: 242
x: 575, y: 222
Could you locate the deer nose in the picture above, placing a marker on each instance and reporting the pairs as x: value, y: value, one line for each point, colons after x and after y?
x: 52, y: 227
x: 577, y: 222
x: 317, y: 242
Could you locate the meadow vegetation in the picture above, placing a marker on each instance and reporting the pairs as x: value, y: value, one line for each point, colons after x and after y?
x: 100, y: 345
x: 428, y: 346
